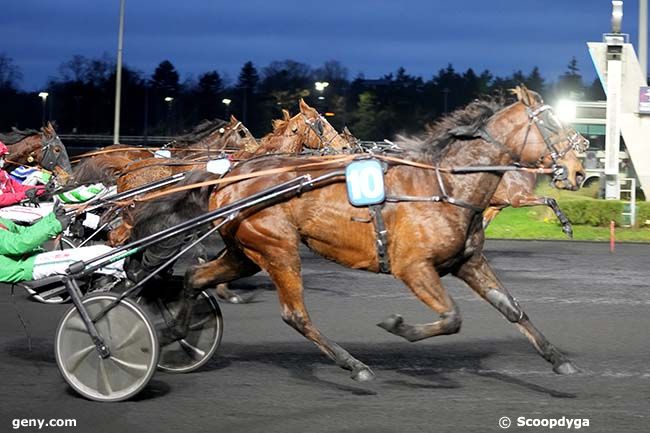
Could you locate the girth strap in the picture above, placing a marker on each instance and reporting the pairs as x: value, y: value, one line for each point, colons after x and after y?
x: 381, y: 237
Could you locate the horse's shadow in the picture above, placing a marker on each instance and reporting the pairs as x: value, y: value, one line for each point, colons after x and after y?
x: 433, y: 367
x: 437, y: 366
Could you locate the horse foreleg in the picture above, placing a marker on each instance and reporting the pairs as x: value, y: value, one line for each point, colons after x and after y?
x: 425, y: 284
x: 478, y: 274
x: 550, y: 202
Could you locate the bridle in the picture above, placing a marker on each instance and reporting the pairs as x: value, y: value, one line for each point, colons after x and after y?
x: 51, y: 156
x: 550, y: 128
x: 240, y: 129
x: 316, y: 125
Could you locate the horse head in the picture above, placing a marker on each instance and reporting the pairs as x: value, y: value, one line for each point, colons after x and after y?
x: 236, y: 135
x: 53, y: 155
x: 352, y: 141
x: 319, y: 133
x: 539, y: 138
x: 42, y: 148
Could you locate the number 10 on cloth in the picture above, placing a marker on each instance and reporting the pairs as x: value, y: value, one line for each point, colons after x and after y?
x: 365, y: 182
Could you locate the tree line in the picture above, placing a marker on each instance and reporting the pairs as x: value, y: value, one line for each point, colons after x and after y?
x: 81, y: 96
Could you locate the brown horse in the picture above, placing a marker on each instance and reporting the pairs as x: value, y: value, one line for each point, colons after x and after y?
x: 232, y: 136
x: 44, y: 148
x: 306, y: 130
x: 517, y: 189
x: 427, y: 237
x: 107, y: 164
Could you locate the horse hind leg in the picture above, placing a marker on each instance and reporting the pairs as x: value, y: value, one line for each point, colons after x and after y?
x: 228, y: 266
x: 425, y: 284
x: 288, y: 281
x: 478, y: 274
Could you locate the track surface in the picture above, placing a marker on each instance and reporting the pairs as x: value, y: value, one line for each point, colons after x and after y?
x: 267, y: 378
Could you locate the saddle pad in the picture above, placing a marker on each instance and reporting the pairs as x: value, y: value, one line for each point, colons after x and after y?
x: 81, y: 194
x: 26, y: 214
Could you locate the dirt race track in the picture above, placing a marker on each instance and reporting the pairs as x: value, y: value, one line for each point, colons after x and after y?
x: 266, y: 378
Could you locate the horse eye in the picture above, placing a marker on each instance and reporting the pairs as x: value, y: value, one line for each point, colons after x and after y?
x: 242, y: 134
x: 57, y: 149
x: 294, y: 129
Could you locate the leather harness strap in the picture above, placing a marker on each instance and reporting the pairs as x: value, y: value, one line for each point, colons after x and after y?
x: 381, y: 237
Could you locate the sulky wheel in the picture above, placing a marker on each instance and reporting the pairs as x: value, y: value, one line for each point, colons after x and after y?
x: 202, y: 339
x: 131, y: 339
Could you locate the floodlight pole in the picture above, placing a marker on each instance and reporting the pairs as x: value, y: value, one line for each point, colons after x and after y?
x: 615, y: 41
x: 118, y: 76
x: 643, y: 37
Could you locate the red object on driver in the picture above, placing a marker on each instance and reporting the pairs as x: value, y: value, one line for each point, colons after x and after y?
x: 3, y: 149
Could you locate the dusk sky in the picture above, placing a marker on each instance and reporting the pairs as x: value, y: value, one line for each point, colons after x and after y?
x: 372, y: 37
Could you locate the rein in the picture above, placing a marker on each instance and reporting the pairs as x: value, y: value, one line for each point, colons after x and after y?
x: 338, y: 159
x: 128, y: 149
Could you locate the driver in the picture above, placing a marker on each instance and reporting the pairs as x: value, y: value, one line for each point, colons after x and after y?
x: 12, y: 191
x: 21, y: 257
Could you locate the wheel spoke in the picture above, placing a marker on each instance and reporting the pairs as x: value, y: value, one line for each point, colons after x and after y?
x: 76, y: 324
x: 201, y: 323
x: 130, y: 338
x: 103, y: 382
x: 74, y: 361
x: 130, y: 367
x: 191, y: 350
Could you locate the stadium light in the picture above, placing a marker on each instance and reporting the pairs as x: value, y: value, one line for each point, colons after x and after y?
x: 43, y: 96
x: 320, y: 85
x: 566, y: 110
x: 617, y: 15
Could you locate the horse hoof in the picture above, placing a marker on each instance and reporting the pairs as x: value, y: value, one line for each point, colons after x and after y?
x: 566, y: 367
x: 235, y: 299
x: 392, y: 323
x: 363, y: 375
x: 568, y: 231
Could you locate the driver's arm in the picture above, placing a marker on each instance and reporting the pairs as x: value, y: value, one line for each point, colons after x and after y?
x: 16, y: 240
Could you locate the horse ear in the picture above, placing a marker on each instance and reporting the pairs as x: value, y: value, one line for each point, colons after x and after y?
x: 285, y: 114
x: 233, y: 119
x: 346, y: 130
x: 524, y: 95
x: 303, y: 106
x: 521, y: 93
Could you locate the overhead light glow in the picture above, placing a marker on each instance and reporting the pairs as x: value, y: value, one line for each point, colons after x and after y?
x: 566, y: 110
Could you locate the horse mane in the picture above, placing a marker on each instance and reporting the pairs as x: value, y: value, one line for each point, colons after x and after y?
x: 279, y: 127
x: 199, y: 132
x: 17, y: 135
x: 437, y: 136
